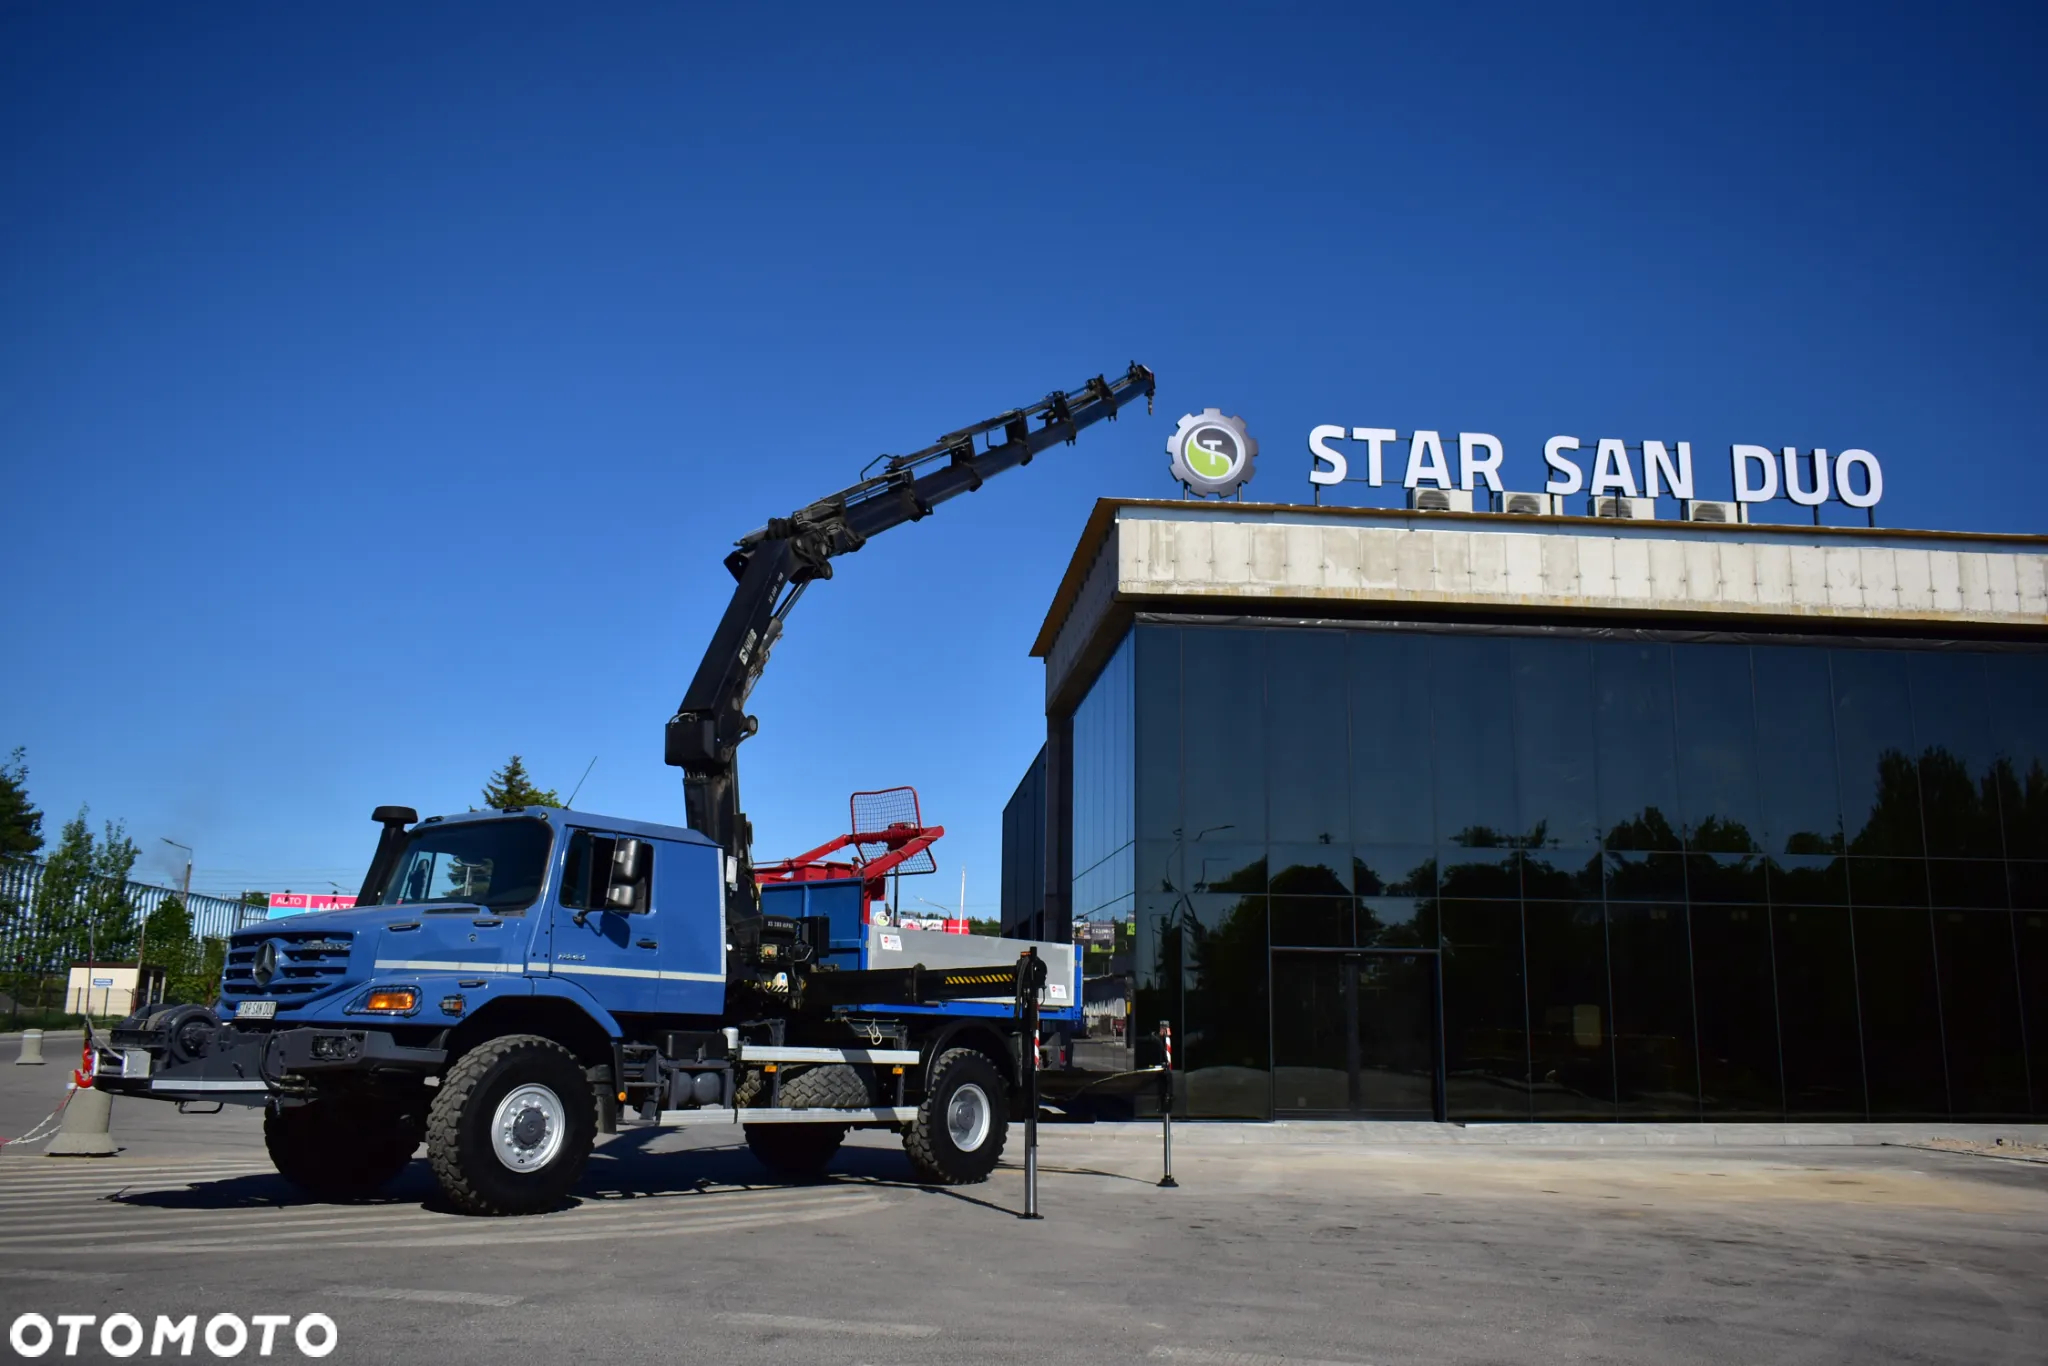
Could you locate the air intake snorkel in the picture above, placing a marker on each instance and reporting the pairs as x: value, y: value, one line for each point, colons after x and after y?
x: 394, y: 819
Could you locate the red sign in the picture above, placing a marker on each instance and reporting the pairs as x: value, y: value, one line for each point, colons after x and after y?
x: 299, y: 903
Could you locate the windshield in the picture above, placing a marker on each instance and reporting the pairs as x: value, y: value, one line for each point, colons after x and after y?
x: 499, y: 864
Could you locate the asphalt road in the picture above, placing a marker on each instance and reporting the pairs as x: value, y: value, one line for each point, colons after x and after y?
x: 1297, y: 1248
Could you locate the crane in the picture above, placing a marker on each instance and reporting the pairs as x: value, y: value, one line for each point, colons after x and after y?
x: 773, y: 565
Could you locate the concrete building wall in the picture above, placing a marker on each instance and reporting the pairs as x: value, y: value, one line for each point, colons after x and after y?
x: 1195, y: 556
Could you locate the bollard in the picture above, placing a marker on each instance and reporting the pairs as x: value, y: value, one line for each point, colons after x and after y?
x: 88, y: 1114
x: 1166, y: 1101
x: 31, y: 1049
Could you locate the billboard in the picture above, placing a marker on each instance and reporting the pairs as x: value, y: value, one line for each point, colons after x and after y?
x: 283, y: 904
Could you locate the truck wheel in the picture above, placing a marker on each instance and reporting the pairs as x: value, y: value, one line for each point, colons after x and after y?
x: 511, y: 1126
x: 804, y: 1149
x: 958, y: 1134
x: 341, y: 1147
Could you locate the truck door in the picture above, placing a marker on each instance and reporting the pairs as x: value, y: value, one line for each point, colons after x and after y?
x: 607, y: 923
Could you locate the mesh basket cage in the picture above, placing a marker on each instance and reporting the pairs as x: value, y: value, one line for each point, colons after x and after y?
x: 874, y: 812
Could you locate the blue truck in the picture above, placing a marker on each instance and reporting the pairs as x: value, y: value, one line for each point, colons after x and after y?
x: 512, y: 983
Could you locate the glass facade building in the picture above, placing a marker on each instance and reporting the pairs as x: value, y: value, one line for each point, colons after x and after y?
x: 1528, y: 872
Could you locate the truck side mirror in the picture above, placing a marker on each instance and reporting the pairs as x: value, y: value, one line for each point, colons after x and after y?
x: 627, y: 891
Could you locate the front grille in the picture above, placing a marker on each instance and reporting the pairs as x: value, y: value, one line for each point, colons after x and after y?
x: 308, y: 962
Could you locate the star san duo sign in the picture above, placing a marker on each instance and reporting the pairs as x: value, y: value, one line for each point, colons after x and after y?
x: 1759, y: 473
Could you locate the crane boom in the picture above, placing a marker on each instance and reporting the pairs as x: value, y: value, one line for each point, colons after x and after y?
x: 773, y: 564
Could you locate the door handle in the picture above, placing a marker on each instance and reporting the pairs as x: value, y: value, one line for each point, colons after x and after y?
x: 645, y: 944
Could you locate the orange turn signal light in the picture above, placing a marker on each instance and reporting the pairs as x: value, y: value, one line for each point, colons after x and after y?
x: 405, y: 998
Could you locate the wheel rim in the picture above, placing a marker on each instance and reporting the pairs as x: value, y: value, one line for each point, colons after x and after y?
x: 967, y: 1117
x: 527, y: 1129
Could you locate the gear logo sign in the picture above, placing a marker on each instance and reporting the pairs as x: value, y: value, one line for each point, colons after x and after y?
x: 1212, y: 454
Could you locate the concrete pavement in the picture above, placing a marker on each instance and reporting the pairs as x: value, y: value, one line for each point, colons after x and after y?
x: 1285, y: 1245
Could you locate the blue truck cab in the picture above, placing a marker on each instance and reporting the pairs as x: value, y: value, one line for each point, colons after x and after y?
x: 513, y: 983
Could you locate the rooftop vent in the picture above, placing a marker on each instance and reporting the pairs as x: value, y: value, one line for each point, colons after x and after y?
x: 1704, y: 510
x: 1440, y: 500
x: 1530, y: 504
x: 1635, y: 509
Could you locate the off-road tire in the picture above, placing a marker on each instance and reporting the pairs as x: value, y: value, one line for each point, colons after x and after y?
x: 933, y: 1153
x: 459, y: 1145
x: 342, y: 1147
x: 804, y: 1149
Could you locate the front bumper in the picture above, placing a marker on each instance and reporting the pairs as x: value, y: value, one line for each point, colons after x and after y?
x: 249, y: 1066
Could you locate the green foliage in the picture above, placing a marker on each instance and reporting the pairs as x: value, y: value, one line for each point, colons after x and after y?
x: 167, y: 935
x: 511, y: 786
x: 21, y: 825
x: 992, y: 927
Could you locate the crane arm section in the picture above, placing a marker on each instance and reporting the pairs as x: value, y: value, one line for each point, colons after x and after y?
x: 774, y: 563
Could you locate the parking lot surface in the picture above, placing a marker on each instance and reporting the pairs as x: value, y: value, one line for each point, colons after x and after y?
x: 1282, y: 1246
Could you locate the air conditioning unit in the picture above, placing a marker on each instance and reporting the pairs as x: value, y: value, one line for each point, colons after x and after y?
x: 1440, y: 500
x: 1705, y: 510
x: 1531, y: 504
x: 1635, y: 509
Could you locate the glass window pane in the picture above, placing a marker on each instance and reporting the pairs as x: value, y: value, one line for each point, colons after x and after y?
x: 1645, y: 877
x: 1103, y: 763
x: 2030, y: 929
x: 1726, y: 877
x: 1720, y: 809
x: 1887, y: 881
x: 1390, y: 749
x: 1157, y: 731
x: 1312, y: 921
x: 1809, y: 880
x: 1569, y: 1018
x: 1389, y: 922
x: 1562, y: 874
x: 1310, y: 869
x: 1551, y: 690
x: 1796, y: 752
x: 1475, y: 761
x: 1394, y: 870
x: 2019, y: 732
x: 1818, y: 1030
x: 1223, y: 735
x: 1315, y: 1045
x: 1215, y: 866
x: 1306, y: 767
x: 1736, y: 1003
x: 1958, y: 790
x: 1480, y: 873
x: 1486, y: 1046
x: 1874, y: 740
x: 1980, y: 1014
x: 1655, y: 1064
x: 1632, y: 737
x: 1975, y: 883
x: 1895, y: 984
x: 1225, y: 1050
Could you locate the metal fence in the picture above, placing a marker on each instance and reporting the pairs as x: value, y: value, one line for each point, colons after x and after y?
x: 26, y: 915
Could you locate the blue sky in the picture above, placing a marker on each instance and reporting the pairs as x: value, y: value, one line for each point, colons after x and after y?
x: 383, y: 384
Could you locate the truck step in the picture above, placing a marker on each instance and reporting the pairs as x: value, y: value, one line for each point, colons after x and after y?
x: 769, y: 1053
x: 879, y: 1114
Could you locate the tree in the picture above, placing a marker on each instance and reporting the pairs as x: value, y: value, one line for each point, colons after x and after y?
x: 21, y: 825
x: 110, y: 914
x: 169, y: 934
x: 511, y: 786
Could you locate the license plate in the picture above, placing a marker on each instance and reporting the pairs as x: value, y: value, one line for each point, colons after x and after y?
x: 134, y: 1062
x: 256, y: 1010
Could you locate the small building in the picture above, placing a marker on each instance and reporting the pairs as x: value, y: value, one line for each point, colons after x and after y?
x: 110, y: 988
x: 1480, y: 816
